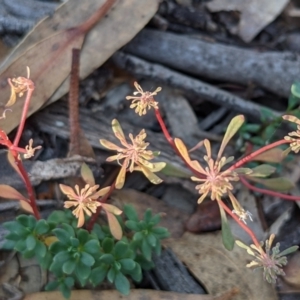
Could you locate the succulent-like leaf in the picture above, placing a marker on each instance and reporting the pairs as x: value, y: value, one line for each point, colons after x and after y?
x: 231, y: 130
x: 111, y: 208
x: 274, y: 155
x: 87, y: 174
x: 277, y: 184
x: 9, y: 192
x: 114, y: 226
x: 263, y: 170
x: 227, y: 237
x: 121, y: 177
x: 117, y: 129
x: 26, y: 206
x: 122, y: 284
x: 150, y: 175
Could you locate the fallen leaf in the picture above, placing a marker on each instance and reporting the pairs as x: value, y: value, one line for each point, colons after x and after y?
x: 98, y: 47
x: 137, y: 294
x: 173, y: 218
x: 218, y: 269
x: 255, y: 14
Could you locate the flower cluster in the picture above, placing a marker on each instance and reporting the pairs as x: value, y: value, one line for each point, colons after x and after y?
x: 271, y: 260
x: 144, y: 101
x: 135, y: 155
x: 213, y: 181
x: 294, y: 136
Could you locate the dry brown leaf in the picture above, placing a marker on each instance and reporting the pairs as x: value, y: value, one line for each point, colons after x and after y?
x: 255, y: 14
x: 218, y: 269
x: 134, y: 295
x: 173, y: 219
x: 121, y: 25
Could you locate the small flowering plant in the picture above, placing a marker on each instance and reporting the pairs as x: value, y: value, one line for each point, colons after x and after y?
x: 75, y: 248
x: 70, y: 243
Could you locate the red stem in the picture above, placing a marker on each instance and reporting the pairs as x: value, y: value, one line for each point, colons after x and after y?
x: 24, y: 115
x: 171, y: 142
x: 95, y: 216
x: 241, y: 223
x: 268, y: 192
x: 257, y: 152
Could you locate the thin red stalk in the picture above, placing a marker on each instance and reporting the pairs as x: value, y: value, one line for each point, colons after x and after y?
x: 23, y: 173
x: 257, y: 152
x: 95, y: 216
x: 268, y: 192
x: 24, y: 115
x: 171, y: 142
x: 241, y: 223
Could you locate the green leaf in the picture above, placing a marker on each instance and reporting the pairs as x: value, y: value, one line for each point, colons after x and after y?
x: 107, y: 259
x: 12, y: 236
x: 171, y: 170
x: 98, y: 232
x: 87, y: 259
x: 121, y: 248
x: 83, y: 236
x: 127, y: 264
x: 160, y: 232
x: 74, y: 242
x: 92, y: 247
x: 288, y: 250
x: 41, y: 227
x: 253, y: 128
x: 82, y: 272
x: 46, y: 261
x: 130, y: 212
x: 155, y: 220
x: 151, y: 239
x: 28, y: 254
x: 111, y: 275
x: 148, y: 215
x: 280, y: 184
x: 61, y: 257
x: 8, y: 245
x: 69, y: 229
x: 107, y: 245
x: 69, y: 266
x: 16, y: 228
x: 98, y: 274
x: 20, y: 246
x: 263, y: 170
x: 57, y: 247
x: 266, y: 114
x: 227, y: 237
x: 58, y: 216
x: 146, y: 249
x: 65, y: 290
x: 136, y: 273
x: 40, y: 249
x: 122, y: 284
x: 132, y: 225
x: 138, y: 236
x: 62, y: 235
x: 30, y: 242
x: 295, y: 89
x: 87, y: 174
x: 231, y: 130
x: 274, y: 155
x: 69, y: 281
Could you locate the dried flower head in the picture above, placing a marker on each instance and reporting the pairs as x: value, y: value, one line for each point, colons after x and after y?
x: 243, y: 214
x: 19, y: 86
x: 144, y: 101
x: 294, y: 136
x: 4, y: 113
x: 29, y: 150
x: 85, y: 200
x: 212, y: 179
x: 134, y: 155
x: 271, y: 260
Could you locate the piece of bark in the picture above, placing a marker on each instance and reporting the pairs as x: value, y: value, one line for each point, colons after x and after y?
x: 142, y: 68
x: 274, y: 71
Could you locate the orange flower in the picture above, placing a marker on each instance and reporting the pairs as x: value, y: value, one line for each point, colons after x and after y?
x: 85, y: 200
x: 144, y: 101
x: 135, y: 156
x: 18, y: 87
x: 214, y: 181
